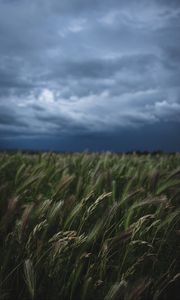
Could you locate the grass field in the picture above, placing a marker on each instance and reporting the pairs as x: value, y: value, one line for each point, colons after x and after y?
x: 89, y: 226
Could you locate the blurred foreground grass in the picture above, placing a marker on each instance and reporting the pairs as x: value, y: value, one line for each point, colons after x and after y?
x: 89, y: 226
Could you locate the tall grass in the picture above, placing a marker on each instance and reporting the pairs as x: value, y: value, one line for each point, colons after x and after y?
x: 89, y: 226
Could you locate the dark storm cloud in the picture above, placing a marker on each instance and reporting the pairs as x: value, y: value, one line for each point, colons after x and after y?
x: 104, y: 68
x: 172, y: 3
x: 6, y: 118
x: 69, y: 67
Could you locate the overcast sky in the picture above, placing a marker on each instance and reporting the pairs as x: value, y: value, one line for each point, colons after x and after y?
x: 97, y: 75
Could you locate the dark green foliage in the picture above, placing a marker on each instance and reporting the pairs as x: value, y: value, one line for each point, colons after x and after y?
x: 89, y: 226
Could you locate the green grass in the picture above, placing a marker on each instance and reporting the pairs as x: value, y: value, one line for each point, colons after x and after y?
x: 89, y: 226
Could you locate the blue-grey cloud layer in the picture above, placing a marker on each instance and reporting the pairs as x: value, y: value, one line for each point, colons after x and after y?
x: 73, y: 68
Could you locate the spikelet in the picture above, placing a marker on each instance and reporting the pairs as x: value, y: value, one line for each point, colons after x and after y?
x: 30, y: 277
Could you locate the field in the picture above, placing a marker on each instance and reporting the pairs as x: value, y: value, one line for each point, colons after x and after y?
x: 89, y: 226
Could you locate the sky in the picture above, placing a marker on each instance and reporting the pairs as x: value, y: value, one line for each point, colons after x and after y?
x: 90, y: 75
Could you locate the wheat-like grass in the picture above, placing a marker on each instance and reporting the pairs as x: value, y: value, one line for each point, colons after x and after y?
x: 89, y: 226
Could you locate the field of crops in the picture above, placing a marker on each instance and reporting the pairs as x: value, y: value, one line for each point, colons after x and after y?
x: 89, y: 226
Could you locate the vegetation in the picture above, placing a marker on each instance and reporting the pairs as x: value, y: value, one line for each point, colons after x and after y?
x: 89, y: 226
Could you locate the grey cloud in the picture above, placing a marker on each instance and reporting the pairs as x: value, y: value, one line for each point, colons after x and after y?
x: 103, y: 68
x: 172, y: 3
x: 168, y: 111
x: 10, y: 118
x: 108, y: 64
